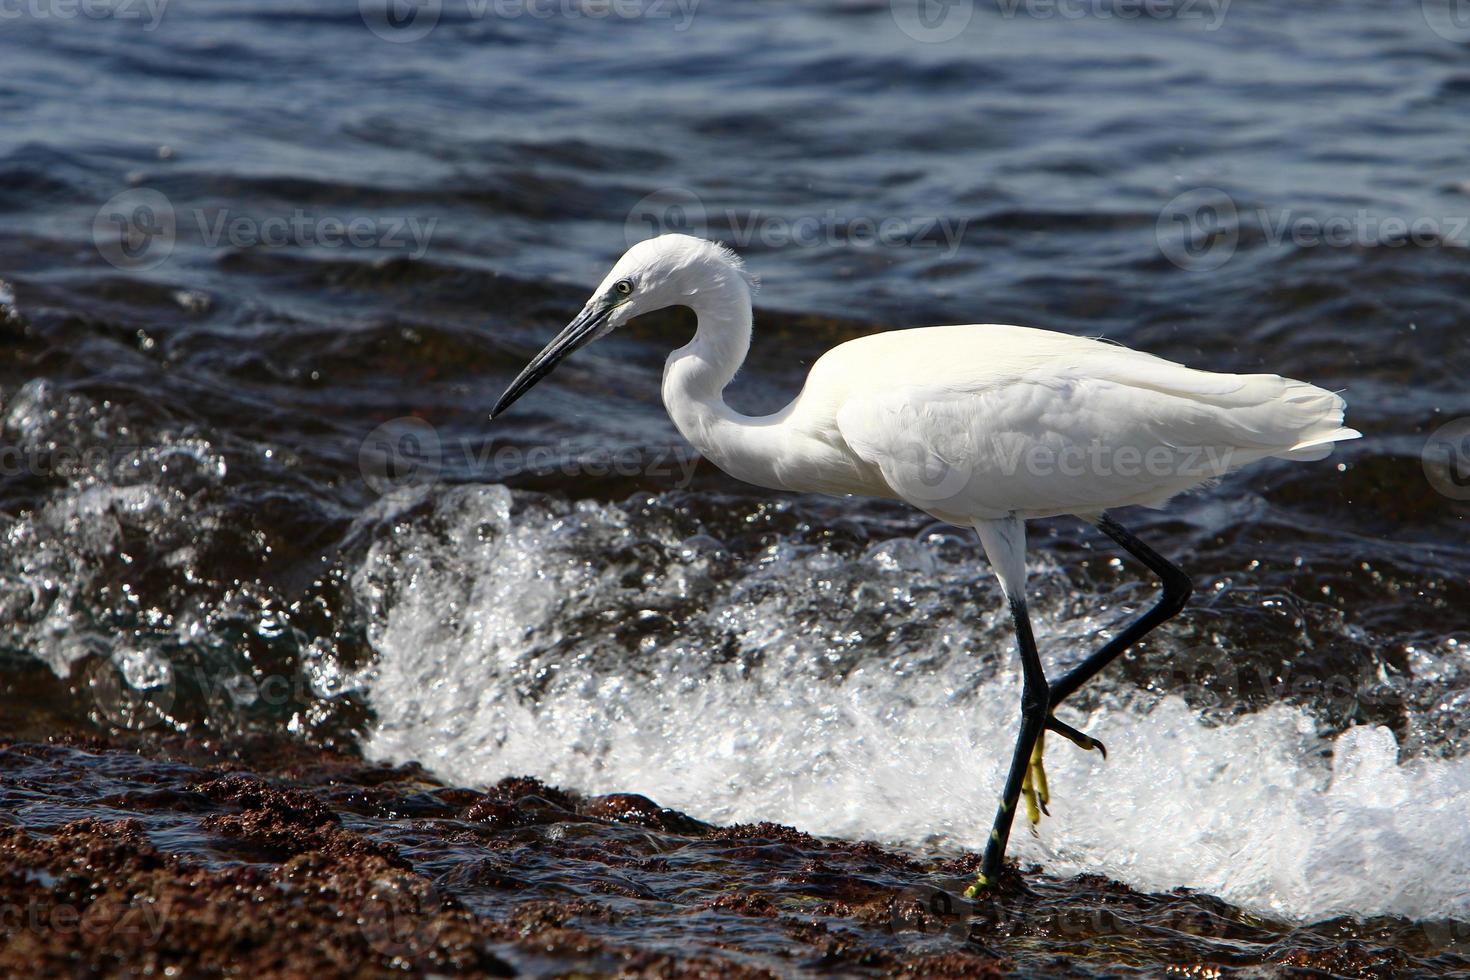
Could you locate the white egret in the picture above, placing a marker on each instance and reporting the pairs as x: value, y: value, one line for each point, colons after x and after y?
x: 981, y: 426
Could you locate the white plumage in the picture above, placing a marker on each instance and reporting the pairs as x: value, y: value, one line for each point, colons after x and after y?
x: 979, y: 425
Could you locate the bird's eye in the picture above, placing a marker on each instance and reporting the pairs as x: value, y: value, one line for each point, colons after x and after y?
x: 624, y: 286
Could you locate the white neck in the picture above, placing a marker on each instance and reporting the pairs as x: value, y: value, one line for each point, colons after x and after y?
x: 696, y: 374
x: 695, y: 377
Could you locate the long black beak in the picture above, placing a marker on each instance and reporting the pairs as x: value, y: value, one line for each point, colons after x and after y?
x: 574, y: 337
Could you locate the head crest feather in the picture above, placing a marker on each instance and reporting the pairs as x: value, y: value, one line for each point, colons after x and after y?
x: 733, y: 259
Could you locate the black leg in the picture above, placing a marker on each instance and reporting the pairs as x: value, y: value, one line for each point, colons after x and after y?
x: 1177, y: 589
x: 1034, y: 711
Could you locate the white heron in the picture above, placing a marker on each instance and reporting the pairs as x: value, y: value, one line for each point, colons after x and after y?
x: 982, y: 426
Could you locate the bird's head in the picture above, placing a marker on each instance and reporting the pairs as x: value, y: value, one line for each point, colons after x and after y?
x: 670, y: 270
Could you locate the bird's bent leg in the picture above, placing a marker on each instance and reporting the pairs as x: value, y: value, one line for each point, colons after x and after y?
x: 1176, y: 590
x: 1005, y: 545
x: 1025, y: 771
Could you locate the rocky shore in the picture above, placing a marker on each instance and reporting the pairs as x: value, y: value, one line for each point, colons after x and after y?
x: 272, y: 859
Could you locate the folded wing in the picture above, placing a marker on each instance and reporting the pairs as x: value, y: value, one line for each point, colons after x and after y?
x: 1076, y: 428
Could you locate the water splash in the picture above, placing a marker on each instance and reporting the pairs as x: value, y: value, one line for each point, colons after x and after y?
x: 854, y: 691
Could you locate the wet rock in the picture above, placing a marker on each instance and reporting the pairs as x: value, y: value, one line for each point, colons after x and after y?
x: 267, y: 836
x: 495, y: 813
x: 516, y: 787
x: 753, y: 905
x: 99, y: 899
x: 248, y: 860
x: 640, y: 810
x: 282, y: 806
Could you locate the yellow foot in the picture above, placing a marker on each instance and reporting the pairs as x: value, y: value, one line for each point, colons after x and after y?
x: 1034, y: 787
x: 982, y: 882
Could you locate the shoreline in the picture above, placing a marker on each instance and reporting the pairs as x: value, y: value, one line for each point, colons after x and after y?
x: 280, y: 859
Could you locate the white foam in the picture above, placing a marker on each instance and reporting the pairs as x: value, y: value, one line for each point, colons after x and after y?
x: 778, y: 694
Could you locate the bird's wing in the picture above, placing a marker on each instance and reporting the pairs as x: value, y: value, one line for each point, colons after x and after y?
x: 1093, y: 428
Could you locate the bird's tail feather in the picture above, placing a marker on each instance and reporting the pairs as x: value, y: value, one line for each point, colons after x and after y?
x: 1321, y: 446
x: 1323, y: 425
